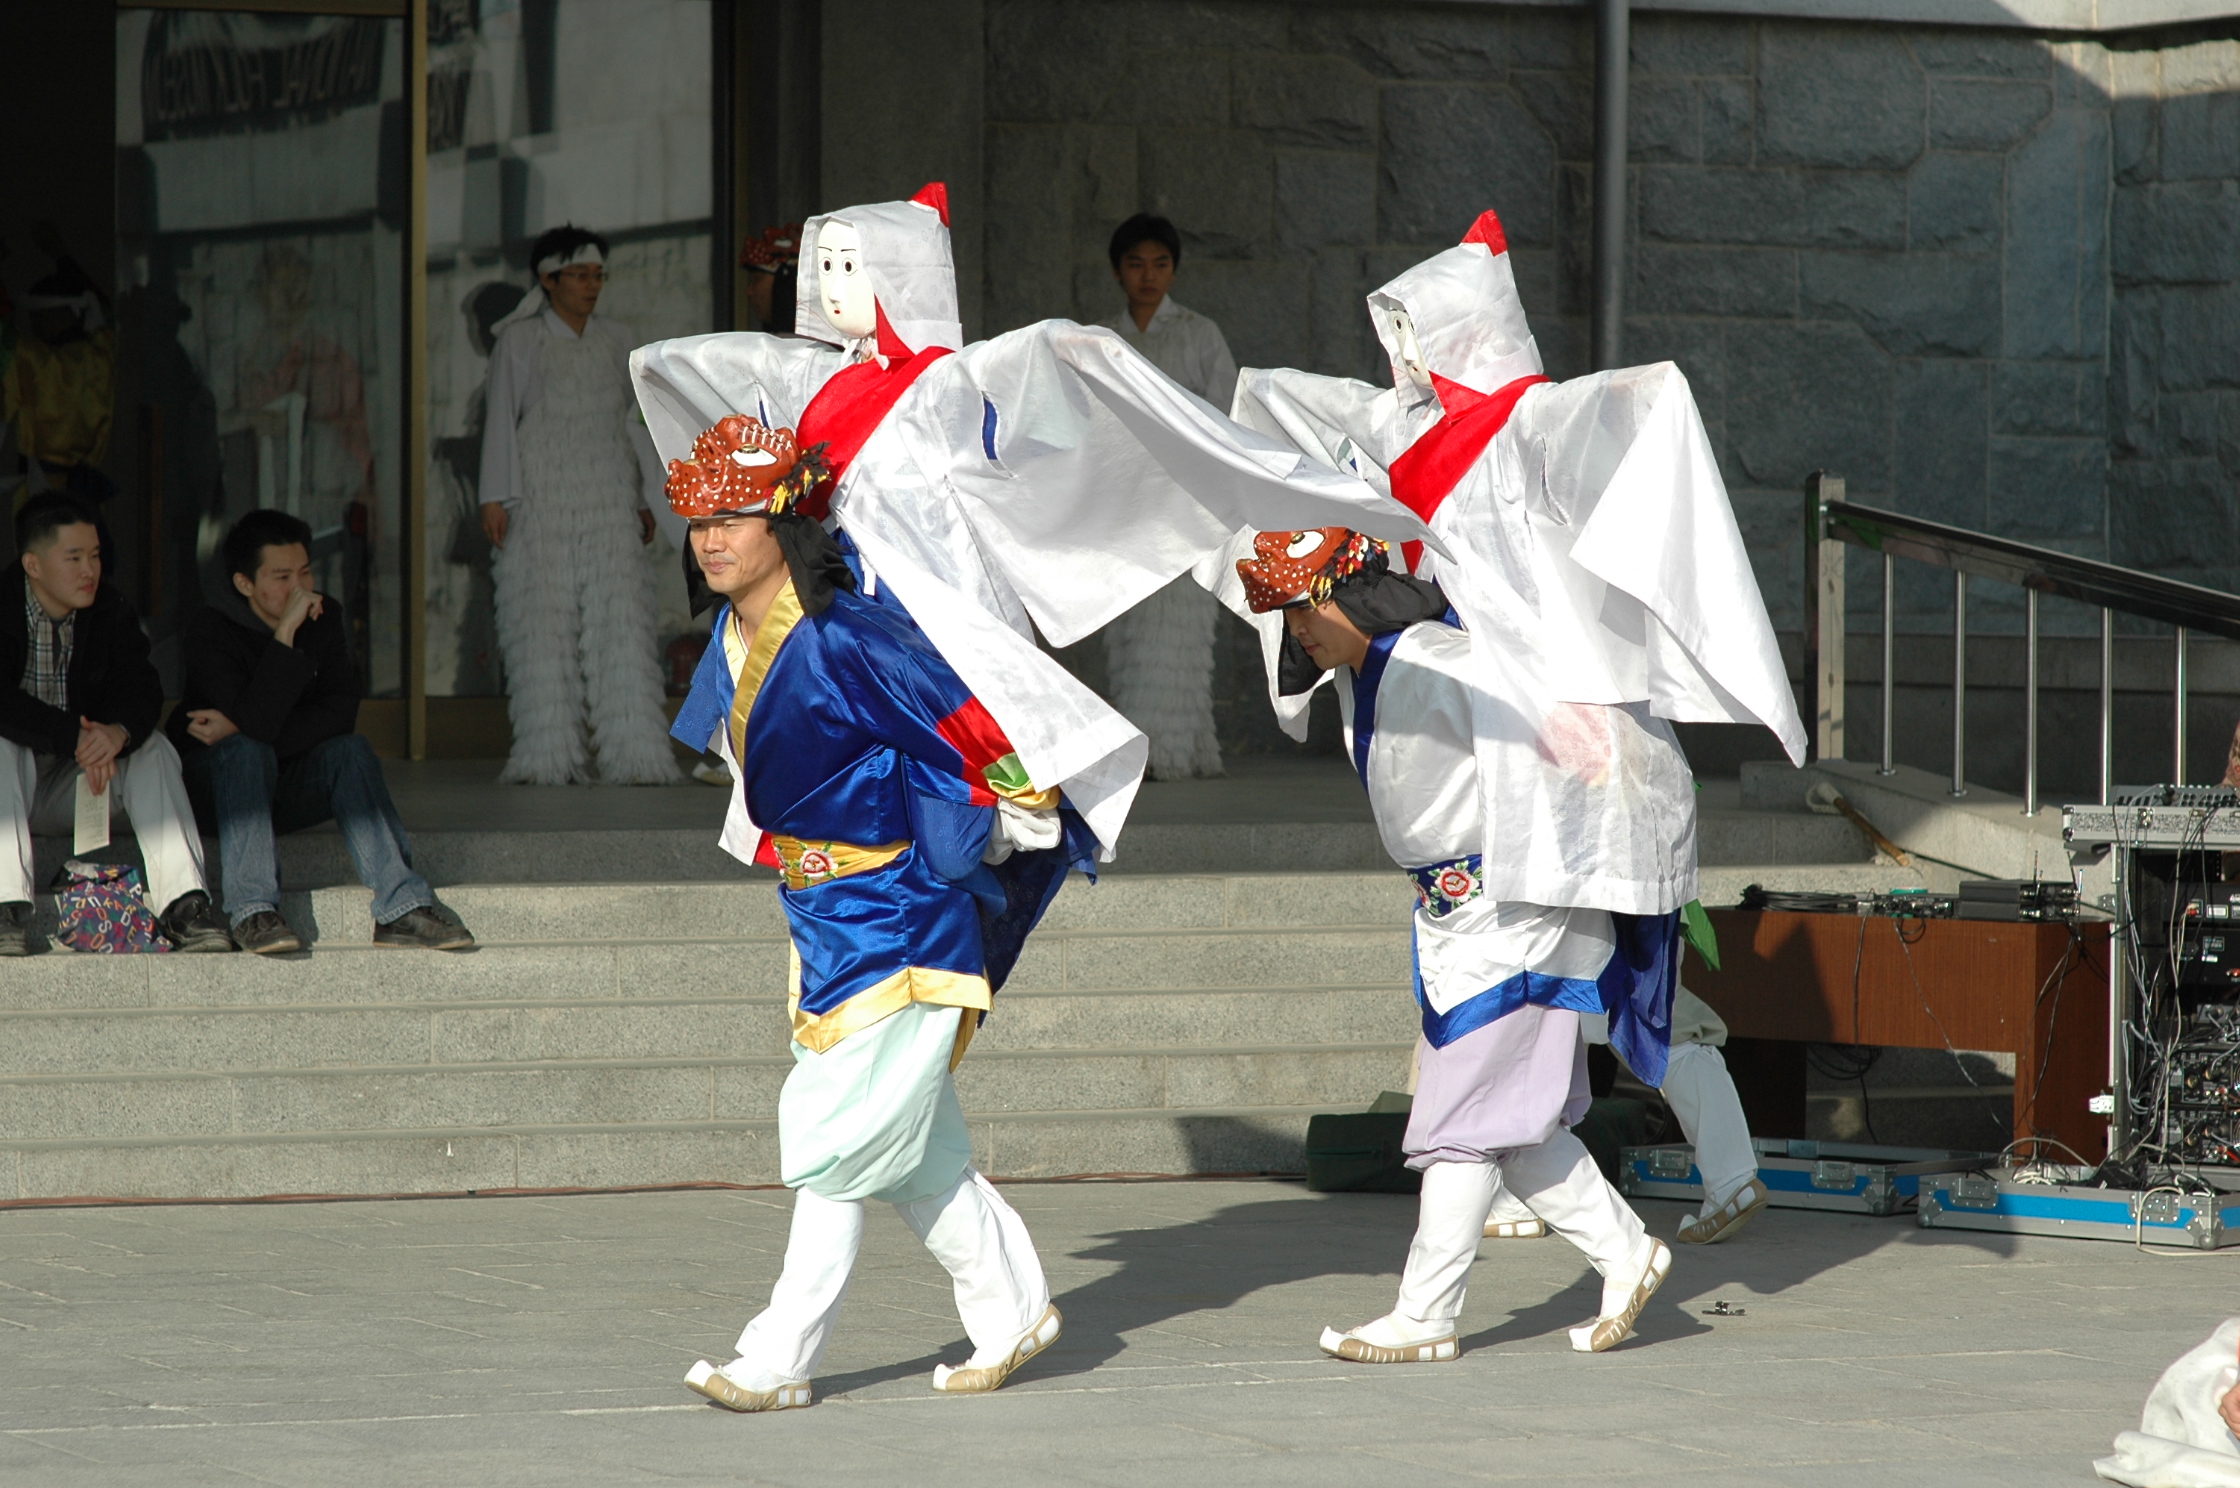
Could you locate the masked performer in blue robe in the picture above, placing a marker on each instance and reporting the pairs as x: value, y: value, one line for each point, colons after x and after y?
x: 920, y: 769
x: 916, y: 857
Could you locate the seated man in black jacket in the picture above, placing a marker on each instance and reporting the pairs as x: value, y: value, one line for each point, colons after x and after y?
x: 79, y: 696
x: 268, y: 731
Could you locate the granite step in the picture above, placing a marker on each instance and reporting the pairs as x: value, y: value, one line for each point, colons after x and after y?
x: 487, y: 1096
x: 1267, y: 1139
x: 294, y: 1035
x: 1729, y: 832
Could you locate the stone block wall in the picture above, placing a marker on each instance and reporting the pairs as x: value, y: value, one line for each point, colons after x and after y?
x: 2173, y: 389
x: 1901, y: 253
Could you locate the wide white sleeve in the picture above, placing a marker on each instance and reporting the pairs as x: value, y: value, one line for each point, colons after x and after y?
x: 686, y: 385
x: 505, y: 399
x: 1662, y: 531
x: 1092, y: 479
x: 1341, y: 421
x: 1065, y: 735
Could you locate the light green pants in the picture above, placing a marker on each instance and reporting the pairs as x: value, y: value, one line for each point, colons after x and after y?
x: 876, y: 1115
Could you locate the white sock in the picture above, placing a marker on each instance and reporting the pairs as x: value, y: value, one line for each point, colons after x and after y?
x: 1450, y: 1221
x: 1618, y: 1286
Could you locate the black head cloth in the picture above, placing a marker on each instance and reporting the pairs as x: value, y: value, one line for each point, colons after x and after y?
x: 1378, y: 601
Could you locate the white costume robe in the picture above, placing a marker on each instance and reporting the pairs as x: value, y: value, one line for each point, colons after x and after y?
x: 2182, y: 1442
x: 984, y: 497
x: 1421, y: 771
x: 563, y: 453
x: 1494, y: 1102
x: 1159, y: 655
x: 1592, y: 554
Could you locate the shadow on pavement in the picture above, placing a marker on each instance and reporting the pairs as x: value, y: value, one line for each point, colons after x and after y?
x: 1161, y: 1273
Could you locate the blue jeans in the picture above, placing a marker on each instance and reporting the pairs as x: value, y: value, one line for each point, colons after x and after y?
x: 253, y: 796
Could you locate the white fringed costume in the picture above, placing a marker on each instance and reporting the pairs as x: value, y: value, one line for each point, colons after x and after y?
x: 1522, y: 763
x: 575, y: 606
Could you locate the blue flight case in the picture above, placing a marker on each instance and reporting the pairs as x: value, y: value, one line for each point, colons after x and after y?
x: 2055, y: 1199
x: 1849, y: 1177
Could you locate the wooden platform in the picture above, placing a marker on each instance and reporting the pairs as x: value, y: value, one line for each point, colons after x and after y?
x: 2038, y: 991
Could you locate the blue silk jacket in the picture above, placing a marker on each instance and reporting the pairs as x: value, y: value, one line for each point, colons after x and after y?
x: 875, y: 773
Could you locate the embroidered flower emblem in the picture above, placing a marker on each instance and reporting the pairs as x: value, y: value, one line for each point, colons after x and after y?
x: 1442, y: 888
x: 816, y: 863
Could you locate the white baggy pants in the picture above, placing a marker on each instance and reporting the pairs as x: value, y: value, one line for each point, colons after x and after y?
x: 876, y: 1117
x: 38, y: 794
x: 977, y: 1237
x: 1702, y: 1096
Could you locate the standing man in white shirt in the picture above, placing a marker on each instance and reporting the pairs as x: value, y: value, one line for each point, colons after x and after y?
x: 566, y: 464
x: 1160, y: 654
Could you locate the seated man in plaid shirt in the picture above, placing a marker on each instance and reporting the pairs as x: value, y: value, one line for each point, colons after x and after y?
x: 78, y: 695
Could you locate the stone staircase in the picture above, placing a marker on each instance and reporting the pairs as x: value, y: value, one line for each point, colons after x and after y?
x: 1154, y: 1024
x: 1186, y: 1014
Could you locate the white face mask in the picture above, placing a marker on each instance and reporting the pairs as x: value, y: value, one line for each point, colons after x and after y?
x: 842, y: 283
x: 1411, y: 355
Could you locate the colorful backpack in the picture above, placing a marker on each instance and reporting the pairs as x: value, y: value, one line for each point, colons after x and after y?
x: 104, y: 909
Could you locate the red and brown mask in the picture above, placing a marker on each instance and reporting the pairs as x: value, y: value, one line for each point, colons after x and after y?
x: 1290, y: 568
x: 739, y: 468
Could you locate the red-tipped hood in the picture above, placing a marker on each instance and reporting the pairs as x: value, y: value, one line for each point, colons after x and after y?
x: 1470, y: 325
x: 913, y: 274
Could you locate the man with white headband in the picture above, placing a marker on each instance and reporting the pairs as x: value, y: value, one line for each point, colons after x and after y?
x: 566, y: 467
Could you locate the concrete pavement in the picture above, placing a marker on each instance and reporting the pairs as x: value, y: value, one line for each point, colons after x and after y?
x: 500, y: 1341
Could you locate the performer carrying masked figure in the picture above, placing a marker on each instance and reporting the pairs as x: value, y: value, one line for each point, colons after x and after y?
x: 1502, y: 1068
x: 895, y: 808
x: 891, y: 719
x: 1513, y: 726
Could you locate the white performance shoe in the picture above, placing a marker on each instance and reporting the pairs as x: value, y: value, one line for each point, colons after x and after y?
x: 705, y: 1379
x: 1393, y: 1339
x: 1515, y: 1229
x: 1623, y: 1297
x: 1714, y: 1225
x: 978, y: 1379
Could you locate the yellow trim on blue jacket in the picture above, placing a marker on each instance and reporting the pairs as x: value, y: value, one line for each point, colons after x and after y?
x: 777, y: 623
x: 883, y: 999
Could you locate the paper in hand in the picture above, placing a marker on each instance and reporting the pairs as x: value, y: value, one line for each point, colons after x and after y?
x: 92, y: 829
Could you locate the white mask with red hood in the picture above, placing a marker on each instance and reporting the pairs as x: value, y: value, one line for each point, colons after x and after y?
x: 880, y: 278
x: 1456, y: 319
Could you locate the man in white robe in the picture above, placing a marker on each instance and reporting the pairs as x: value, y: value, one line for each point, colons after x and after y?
x: 1159, y: 656
x: 566, y: 467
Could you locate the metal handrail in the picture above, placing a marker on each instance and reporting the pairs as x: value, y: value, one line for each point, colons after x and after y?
x: 2125, y: 590
x: 1831, y: 521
